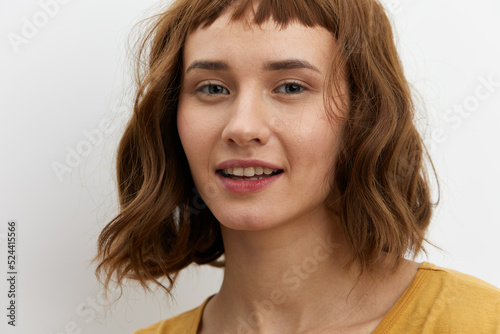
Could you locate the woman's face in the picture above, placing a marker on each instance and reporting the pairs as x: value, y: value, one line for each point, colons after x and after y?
x: 252, y: 122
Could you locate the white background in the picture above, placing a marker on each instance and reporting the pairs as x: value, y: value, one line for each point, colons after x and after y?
x: 72, y: 77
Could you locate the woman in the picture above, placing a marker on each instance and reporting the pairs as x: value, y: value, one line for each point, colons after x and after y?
x: 294, y: 123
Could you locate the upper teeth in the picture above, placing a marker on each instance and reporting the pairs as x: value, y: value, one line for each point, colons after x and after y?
x: 249, y: 171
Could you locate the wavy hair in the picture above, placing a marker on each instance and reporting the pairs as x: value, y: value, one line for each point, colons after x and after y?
x: 381, y: 189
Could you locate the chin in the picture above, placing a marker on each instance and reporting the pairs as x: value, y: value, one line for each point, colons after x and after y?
x: 245, y: 222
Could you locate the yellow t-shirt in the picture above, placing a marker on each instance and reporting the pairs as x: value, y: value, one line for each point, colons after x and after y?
x: 438, y: 300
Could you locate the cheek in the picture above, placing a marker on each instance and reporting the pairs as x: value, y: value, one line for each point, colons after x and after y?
x: 187, y: 127
x: 318, y: 156
x: 320, y: 142
x: 198, y: 138
x: 184, y: 130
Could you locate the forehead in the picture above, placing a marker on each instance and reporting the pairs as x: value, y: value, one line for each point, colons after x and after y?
x: 232, y: 39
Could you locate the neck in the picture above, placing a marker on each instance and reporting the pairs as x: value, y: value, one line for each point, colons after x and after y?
x: 287, y: 275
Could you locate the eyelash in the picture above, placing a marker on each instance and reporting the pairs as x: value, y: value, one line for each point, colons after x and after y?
x: 290, y: 83
x: 209, y: 85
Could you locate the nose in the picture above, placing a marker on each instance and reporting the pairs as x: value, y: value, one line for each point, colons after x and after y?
x: 248, y: 121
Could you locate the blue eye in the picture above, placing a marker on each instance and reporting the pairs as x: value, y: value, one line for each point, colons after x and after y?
x: 290, y: 88
x: 213, y: 89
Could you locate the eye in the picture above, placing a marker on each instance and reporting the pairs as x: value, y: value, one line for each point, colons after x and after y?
x: 211, y: 89
x: 290, y: 88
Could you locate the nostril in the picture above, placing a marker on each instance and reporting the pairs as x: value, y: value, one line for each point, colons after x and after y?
x: 241, y: 141
x: 244, y: 130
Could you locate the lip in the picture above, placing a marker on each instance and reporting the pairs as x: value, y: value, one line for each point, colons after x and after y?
x: 246, y: 163
x: 246, y: 186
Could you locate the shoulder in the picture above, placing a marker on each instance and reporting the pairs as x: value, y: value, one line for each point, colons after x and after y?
x: 457, y: 287
x: 441, y: 300
x: 185, y: 323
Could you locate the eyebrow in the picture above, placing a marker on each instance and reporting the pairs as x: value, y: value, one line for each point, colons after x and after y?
x: 208, y: 65
x: 280, y: 65
x: 289, y: 64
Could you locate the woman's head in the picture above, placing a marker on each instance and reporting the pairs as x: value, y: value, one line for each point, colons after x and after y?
x: 376, y: 183
x: 252, y: 100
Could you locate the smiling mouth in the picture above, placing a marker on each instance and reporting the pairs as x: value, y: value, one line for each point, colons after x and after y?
x: 249, y: 173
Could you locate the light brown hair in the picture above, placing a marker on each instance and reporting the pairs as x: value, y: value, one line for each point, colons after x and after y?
x: 382, y: 193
